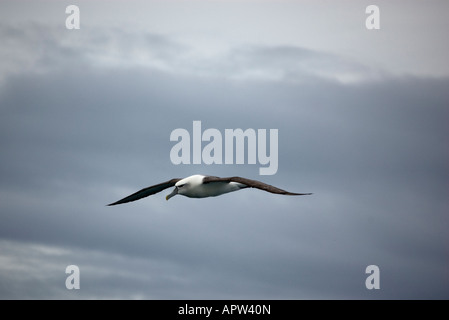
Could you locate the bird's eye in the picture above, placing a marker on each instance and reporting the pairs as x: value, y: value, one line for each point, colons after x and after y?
x: 181, y: 185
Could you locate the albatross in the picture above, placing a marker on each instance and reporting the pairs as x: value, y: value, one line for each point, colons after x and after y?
x: 200, y: 186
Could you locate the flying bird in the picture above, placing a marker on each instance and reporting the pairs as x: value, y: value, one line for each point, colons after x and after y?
x: 199, y: 186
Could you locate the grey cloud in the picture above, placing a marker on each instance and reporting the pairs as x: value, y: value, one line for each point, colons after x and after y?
x: 38, y: 48
x: 296, y: 64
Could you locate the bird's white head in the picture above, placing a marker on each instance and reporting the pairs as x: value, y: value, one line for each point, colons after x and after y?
x: 185, y: 186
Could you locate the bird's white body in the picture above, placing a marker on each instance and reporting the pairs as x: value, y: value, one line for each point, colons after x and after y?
x: 193, y: 187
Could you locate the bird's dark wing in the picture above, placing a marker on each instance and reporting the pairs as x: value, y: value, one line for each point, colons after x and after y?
x: 252, y: 184
x: 147, y: 192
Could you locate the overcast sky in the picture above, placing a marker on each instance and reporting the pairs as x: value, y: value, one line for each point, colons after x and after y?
x: 86, y: 117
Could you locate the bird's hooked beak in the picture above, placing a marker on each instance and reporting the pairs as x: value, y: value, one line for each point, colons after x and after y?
x: 172, y: 194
